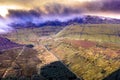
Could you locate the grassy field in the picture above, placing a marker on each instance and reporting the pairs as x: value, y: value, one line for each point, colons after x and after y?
x: 89, y: 60
x: 93, y: 32
x: 91, y: 51
x: 20, y: 66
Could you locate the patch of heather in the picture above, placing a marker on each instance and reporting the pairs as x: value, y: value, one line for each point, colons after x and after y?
x: 81, y: 43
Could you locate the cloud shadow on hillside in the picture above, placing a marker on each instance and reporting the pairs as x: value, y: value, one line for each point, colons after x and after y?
x: 113, y: 76
x: 57, y: 71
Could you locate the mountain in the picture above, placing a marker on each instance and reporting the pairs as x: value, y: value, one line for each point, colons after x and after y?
x: 78, y: 20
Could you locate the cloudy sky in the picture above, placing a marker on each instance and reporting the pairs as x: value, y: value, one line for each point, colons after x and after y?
x: 106, y: 8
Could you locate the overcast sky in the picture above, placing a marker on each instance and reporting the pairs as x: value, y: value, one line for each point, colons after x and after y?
x: 107, y: 8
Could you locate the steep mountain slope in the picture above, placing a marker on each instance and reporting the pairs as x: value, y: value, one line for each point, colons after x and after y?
x: 92, y: 51
x: 89, y: 60
x: 94, y: 32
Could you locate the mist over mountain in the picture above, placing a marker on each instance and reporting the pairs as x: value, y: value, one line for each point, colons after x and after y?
x: 35, y: 18
x: 4, y: 27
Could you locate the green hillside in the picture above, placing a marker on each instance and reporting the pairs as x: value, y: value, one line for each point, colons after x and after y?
x: 94, y: 32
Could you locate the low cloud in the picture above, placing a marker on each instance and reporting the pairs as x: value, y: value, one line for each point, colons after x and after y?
x: 66, y: 7
x: 4, y: 28
x: 38, y: 11
x: 111, y: 6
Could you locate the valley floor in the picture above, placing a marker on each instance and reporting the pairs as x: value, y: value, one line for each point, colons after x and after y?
x: 88, y: 52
